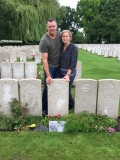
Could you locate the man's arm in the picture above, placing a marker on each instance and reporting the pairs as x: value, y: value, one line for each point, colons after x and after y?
x: 46, y: 68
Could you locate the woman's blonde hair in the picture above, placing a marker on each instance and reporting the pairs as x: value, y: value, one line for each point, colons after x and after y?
x: 70, y: 34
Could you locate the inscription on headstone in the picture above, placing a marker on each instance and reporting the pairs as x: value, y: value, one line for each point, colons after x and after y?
x: 30, y: 94
x: 31, y: 69
x: 58, y: 97
x: 8, y: 90
x: 6, y: 70
x: 85, y: 95
x: 18, y: 70
x: 108, y: 97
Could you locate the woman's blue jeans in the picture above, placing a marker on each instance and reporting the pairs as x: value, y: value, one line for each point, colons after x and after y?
x: 71, y: 100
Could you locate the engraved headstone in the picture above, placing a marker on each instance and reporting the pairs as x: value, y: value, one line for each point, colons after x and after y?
x: 58, y: 97
x: 38, y: 57
x: 22, y: 56
x: 85, y: 95
x: 29, y: 53
x: 12, y: 56
x: 79, y: 70
x: 6, y: 70
x: 6, y: 56
x: 30, y: 69
x: 106, y: 53
x: 30, y: 95
x: 18, y: 70
x: 8, y: 90
x: 108, y: 97
x: 1, y: 58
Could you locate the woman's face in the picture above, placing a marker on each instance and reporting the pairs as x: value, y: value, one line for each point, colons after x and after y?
x: 65, y: 37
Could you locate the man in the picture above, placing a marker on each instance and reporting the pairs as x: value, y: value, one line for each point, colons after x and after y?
x: 50, y: 46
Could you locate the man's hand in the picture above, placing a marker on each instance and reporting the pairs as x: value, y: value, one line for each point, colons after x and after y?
x: 48, y: 80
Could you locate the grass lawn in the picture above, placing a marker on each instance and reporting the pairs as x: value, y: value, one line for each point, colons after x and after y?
x: 59, y: 146
x: 63, y: 146
x: 98, y: 67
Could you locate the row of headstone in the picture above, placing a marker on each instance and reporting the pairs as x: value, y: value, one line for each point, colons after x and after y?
x: 101, y: 97
x: 21, y: 70
x: 30, y: 95
x: 18, y: 70
x: 106, y: 50
x: 11, y: 54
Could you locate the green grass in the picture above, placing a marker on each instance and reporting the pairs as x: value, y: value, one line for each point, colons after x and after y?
x: 63, y: 146
x: 98, y: 67
x: 59, y: 146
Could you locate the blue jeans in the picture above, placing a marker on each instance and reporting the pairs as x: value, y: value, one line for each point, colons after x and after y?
x: 55, y: 73
x: 72, y: 77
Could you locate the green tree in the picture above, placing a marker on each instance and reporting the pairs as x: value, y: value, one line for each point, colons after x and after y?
x: 25, y: 19
x: 79, y: 38
x: 68, y: 22
x: 111, y: 21
x: 86, y: 12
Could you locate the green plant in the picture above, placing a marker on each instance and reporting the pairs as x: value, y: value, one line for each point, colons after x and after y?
x: 16, y: 120
x: 86, y: 122
x: 6, y: 122
x: 17, y: 59
x: 40, y: 72
x: 16, y: 108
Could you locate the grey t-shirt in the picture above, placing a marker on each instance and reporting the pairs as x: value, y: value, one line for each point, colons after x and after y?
x: 52, y: 47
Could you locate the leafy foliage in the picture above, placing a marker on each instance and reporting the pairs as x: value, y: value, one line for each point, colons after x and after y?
x: 6, y: 122
x: 100, y: 20
x: 68, y: 22
x: 25, y: 20
x: 17, y: 119
x: 86, y: 122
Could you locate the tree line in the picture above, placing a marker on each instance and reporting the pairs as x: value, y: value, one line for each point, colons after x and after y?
x: 26, y: 20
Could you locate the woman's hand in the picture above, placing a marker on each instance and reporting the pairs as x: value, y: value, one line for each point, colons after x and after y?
x: 67, y: 78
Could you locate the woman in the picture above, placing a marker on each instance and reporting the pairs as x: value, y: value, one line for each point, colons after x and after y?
x: 68, y: 61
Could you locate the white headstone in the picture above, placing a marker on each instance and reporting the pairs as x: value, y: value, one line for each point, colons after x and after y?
x: 108, y: 97
x: 30, y: 69
x: 79, y: 70
x: 30, y: 95
x: 1, y: 58
x: 58, y: 97
x: 18, y: 70
x: 6, y: 56
x: 6, y: 70
x: 12, y: 56
x: 38, y: 57
x: 8, y: 90
x: 22, y: 56
x: 85, y: 95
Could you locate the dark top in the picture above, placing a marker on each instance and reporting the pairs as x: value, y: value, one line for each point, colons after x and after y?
x: 68, y: 58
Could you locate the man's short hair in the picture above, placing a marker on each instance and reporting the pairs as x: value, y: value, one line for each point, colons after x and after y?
x: 51, y: 20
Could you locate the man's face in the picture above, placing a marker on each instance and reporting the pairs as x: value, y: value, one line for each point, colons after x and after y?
x: 51, y: 27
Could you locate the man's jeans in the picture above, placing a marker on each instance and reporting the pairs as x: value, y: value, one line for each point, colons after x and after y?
x: 55, y: 73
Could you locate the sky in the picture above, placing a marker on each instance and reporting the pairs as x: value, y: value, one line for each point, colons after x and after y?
x: 71, y: 3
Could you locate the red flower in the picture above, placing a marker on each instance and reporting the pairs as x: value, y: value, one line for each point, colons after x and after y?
x: 33, y: 55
